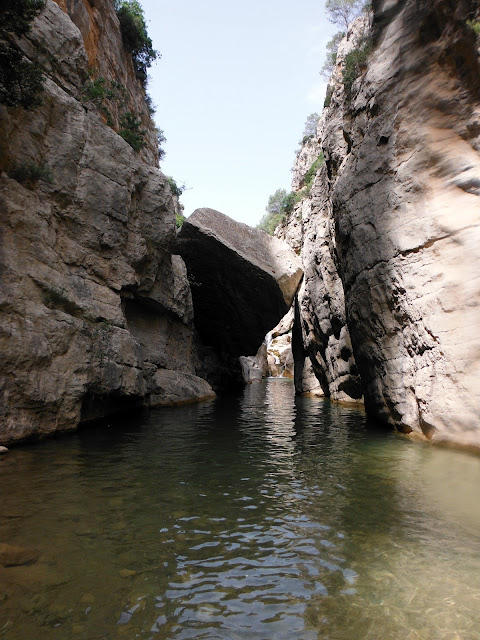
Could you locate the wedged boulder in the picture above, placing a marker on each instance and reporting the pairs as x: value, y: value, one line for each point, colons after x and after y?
x: 243, y: 281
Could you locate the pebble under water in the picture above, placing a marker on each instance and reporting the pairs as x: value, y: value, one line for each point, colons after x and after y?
x: 260, y: 516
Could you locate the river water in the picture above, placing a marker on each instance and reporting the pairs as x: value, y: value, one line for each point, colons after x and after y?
x: 261, y: 516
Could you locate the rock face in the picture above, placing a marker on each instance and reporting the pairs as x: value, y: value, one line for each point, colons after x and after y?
x: 391, y: 236
x: 93, y: 305
x: 243, y: 280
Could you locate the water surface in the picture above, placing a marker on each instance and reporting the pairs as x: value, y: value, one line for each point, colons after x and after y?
x: 262, y: 517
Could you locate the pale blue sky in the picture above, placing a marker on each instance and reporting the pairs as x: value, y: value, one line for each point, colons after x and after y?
x: 233, y: 89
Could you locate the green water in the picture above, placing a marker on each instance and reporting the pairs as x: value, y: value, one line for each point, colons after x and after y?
x: 262, y: 516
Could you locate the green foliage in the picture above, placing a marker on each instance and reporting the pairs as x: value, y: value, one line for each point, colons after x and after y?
x: 310, y: 128
x: 355, y: 63
x: 291, y: 200
x: 29, y: 173
x: 275, y: 213
x: 342, y: 12
x: 310, y: 175
x: 331, y: 59
x: 131, y: 132
x: 160, y: 140
x: 17, y: 15
x: 174, y: 188
x: 21, y: 81
x: 135, y: 37
x: 179, y: 219
x: 150, y: 106
x: 474, y: 26
x: 96, y: 90
x: 328, y: 97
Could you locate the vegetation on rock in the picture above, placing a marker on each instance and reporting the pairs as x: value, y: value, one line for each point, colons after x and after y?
x: 135, y: 36
x: 310, y: 127
x: 474, y: 25
x: 332, y: 48
x: 275, y: 212
x: 131, y: 132
x: 17, y: 15
x: 355, y: 63
x: 29, y: 173
x: 21, y: 81
x: 179, y: 219
x: 174, y: 188
x: 310, y: 175
x: 342, y: 12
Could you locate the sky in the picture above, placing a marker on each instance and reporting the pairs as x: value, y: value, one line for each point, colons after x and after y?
x: 233, y: 88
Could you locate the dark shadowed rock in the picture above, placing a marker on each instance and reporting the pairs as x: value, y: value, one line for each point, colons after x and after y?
x: 243, y: 281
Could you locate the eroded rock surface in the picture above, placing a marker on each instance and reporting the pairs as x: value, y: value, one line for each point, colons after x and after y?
x: 243, y: 281
x: 93, y: 306
x: 391, y: 236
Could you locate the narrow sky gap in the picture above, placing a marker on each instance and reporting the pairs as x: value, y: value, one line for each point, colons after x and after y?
x: 233, y: 89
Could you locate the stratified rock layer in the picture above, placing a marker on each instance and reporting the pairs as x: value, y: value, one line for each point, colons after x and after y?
x: 93, y: 306
x: 243, y: 281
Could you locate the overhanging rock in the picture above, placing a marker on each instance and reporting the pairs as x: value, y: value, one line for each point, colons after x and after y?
x: 243, y: 280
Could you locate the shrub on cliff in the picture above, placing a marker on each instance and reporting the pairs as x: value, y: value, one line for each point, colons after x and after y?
x: 331, y: 59
x: 310, y: 175
x: 355, y: 63
x: 275, y: 212
x: 21, y: 81
x: 17, y: 15
x: 135, y: 37
x: 29, y: 173
x: 342, y: 12
x: 131, y: 132
x: 174, y: 188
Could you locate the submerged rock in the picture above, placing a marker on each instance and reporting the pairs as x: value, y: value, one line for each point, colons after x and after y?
x: 12, y: 556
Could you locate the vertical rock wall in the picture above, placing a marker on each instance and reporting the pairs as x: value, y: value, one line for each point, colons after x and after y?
x: 392, y: 222
x: 94, y: 308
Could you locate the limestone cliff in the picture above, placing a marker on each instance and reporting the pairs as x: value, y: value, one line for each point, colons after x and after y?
x: 390, y: 230
x: 95, y: 312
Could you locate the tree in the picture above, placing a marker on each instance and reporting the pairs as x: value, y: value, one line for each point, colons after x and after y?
x: 342, y: 12
x: 17, y: 15
x: 135, y: 37
x: 310, y: 126
x: 21, y: 81
x: 275, y: 212
x: 332, y: 48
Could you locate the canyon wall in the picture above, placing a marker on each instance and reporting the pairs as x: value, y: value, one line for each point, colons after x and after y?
x: 96, y: 313
x: 389, y: 233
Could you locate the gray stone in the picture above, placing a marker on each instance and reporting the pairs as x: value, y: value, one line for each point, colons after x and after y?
x: 169, y: 388
x: 243, y: 281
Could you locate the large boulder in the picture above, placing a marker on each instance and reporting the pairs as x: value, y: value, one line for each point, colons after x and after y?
x: 243, y: 280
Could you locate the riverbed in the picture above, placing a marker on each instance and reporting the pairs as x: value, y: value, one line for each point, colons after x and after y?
x: 258, y: 516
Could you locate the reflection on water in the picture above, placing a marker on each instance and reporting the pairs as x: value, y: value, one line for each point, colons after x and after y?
x: 260, y: 516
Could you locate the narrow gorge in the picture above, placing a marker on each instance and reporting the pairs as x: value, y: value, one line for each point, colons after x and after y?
x: 246, y: 417
x: 96, y: 302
